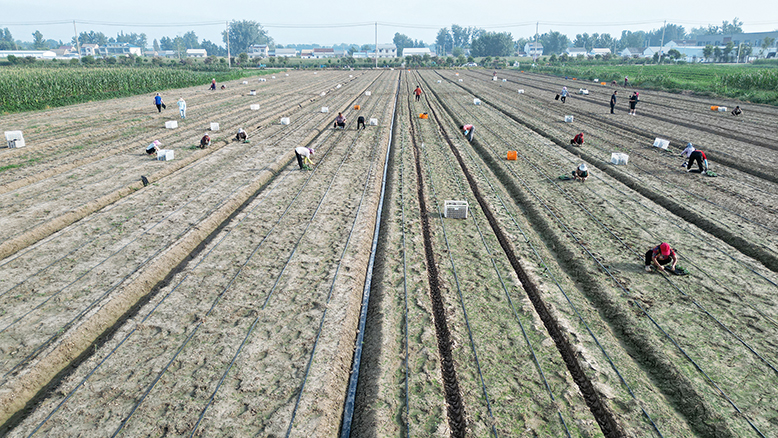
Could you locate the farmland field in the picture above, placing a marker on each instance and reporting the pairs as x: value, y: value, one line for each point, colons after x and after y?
x: 237, y: 295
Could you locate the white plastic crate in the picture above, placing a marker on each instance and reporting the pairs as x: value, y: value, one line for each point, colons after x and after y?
x: 521, y: 91
x: 661, y: 143
x: 505, y: 80
x: 583, y: 91
x: 619, y: 159
x: 476, y: 101
x: 166, y: 154
x: 368, y: 93
x: 253, y: 93
x: 272, y: 77
x: 569, y: 119
x: 171, y: 124
x: 351, y: 76
x: 287, y: 74
x: 461, y: 80
x: 214, y: 126
x: 373, y: 122
x: 285, y: 120
x: 15, y: 139
x: 315, y: 73
x: 722, y: 109
x: 325, y: 109
x: 595, y: 80
x: 338, y: 86
x: 323, y: 93
x: 494, y: 78
x: 439, y: 81
x: 245, y: 82
x: 254, y: 107
x: 455, y: 209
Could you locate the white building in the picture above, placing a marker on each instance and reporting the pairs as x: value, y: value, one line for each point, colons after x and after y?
x: 90, y: 50
x: 385, y: 51
x: 632, y: 52
x: 323, y: 52
x: 37, y: 54
x: 286, y: 53
x: 196, y: 53
x: 120, y: 49
x: 601, y: 52
x: 533, y: 49
x: 258, y: 51
x: 575, y: 51
x: 420, y: 51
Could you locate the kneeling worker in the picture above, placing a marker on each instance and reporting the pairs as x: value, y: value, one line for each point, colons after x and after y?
x: 659, y: 256
x: 153, y: 148
x: 581, y: 173
x: 340, y: 122
x: 692, y: 155
x: 577, y: 140
x: 241, y: 135
x: 467, y: 131
x: 205, y: 141
x: 303, y: 155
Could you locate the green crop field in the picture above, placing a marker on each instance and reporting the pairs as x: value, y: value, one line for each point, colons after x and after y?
x: 24, y: 89
x: 751, y: 83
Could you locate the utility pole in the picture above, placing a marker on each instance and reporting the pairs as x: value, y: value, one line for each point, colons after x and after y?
x: 737, y: 61
x: 662, y: 45
x: 535, y: 49
x: 78, y: 45
x: 229, y: 61
x: 376, y: 44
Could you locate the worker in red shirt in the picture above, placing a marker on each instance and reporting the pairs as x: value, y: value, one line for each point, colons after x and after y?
x: 467, y: 131
x: 417, y: 92
x: 577, y: 140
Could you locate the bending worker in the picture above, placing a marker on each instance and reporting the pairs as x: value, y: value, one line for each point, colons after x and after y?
x: 241, y: 135
x: 691, y: 154
x: 581, y: 173
x: 577, y: 140
x: 467, y: 131
x: 205, y: 141
x: 303, y: 155
x: 660, y: 256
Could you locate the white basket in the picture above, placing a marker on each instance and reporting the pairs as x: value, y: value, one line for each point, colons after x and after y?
x: 505, y: 80
x: 214, y: 126
x: 166, y: 154
x: 338, y: 86
x: 315, y: 73
x: 619, y: 159
x: 595, y: 80
x: 245, y: 82
x: 285, y: 120
x: 253, y: 93
x: 272, y: 77
x: 171, y: 124
x: 439, y: 81
x: 287, y: 74
x: 476, y: 101
x: 583, y: 91
x: 494, y: 78
x: 351, y: 76
x: 367, y: 93
x: 254, y: 107
x: 325, y: 109
x: 323, y: 93
x: 15, y: 139
x: 461, y: 80
x: 521, y: 91
x: 455, y: 209
x: 722, y: 109
x: 373, y: 122
x: 661, y: 143
x: 569, y: 119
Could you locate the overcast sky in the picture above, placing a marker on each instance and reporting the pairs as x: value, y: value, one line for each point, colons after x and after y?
x: 335, y: 22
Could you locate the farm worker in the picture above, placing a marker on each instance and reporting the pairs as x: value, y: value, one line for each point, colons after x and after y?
x: 360, y: 122
x: 563, y: 94
x: 153, y: 148
x: 581, y: 173
x: 182, y: 107
x: 205, y: 141
x: 224, y: 87
x: 417, y: 92
x: 737, y: 111
x: 213, y: 84
x: 613, y: 101
x: 241, y: 135
x: 303, y: 155
x: 691, y: 154
x: 468, y: 131
x: 340, y: 121
x: 159, y: 103
x: 659, y: 256
x: 633, y: 101
x: 578, y: 139
x: 626, y: 81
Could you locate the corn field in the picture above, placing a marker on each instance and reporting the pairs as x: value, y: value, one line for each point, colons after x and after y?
x: 24, y: 89
x: 752, y: 80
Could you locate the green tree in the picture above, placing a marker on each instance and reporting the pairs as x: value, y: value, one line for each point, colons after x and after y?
x: 444, y: 41
x: 401, y: 42
x: 179, y: 47
x: 156, y: 45
x: 38, y: 42
x: 457, y: 51
x: 675, y: 54
x: 245, y: 33
x: 461, y: 36
x: 584, y: 40
x: 766, y: 44
x: 190, y: 40
x: 735, y: 27
x: 91, y: 37
x: 492, y: 44
x: 727, y: 51
x: 212, y: 49
x: 166, y: 43
x: 632, y: 39
x: 7, y: 40
x: 707, y: 51
x: 553, y: 42
x: 717, y: 53
x: 243, y: 58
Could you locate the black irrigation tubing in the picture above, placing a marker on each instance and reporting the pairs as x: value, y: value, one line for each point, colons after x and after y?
x: 546, y: 135
x: 151, y: 312
x: 507, y: 293
x: 611, y: 124
x: 570, y: 302
x: 405, y: 291
x: 216, y: 301
x: 637, y: 303
x: 456, y: 279
x: 350, y: 402
x: 631, y: 249
x: 641, y: 226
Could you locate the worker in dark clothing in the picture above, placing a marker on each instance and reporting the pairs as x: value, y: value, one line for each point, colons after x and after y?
x: 581, y: 173
x: 340, y: 122
x: 660, y: 256
x: 737, y: 111
x: 691, y: 154
x: 613, y: 101
x: 633, y: 101
x: 205, y: 141
x: 360, y: 122
x: 577, y: 140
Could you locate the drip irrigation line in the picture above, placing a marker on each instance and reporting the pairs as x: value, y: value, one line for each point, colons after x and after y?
x: 349, y: 405
x: 637, y: 303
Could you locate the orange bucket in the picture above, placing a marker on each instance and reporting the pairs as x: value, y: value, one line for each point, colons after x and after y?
x: 603, y: 83
x: 356, y: 107
x: 424, y: 116
x: 714, y: 108
x: 512, y: 155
